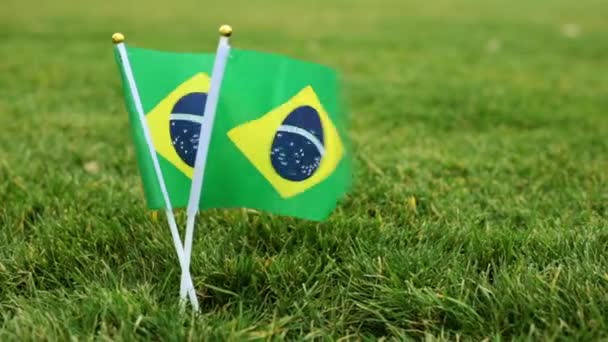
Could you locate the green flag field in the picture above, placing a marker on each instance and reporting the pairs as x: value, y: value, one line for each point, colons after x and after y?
x: 476, y: 133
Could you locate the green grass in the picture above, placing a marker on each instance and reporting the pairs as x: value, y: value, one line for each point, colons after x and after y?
x: 492, y: 115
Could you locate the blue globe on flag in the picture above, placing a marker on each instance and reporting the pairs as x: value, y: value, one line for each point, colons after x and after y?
x: 185, y: 125
x: 298, y: 147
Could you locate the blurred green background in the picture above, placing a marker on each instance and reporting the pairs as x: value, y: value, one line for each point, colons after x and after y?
x: 479, y: 206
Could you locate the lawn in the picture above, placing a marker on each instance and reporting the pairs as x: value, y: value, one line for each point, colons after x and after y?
x: 479, y: 207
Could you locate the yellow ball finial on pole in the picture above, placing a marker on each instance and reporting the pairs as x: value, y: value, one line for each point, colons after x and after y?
x: 118, y: 38
x: 225, y: 30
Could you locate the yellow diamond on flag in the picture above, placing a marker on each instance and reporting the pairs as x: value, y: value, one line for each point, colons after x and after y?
x: 176, y: 120
x: 295, y: 146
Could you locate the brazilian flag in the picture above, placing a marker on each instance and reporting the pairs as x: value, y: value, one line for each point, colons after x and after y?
x: 278, y: 144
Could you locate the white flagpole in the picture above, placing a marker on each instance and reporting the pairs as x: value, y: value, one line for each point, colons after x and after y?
x: 118, y: 39
x: 217, y: 74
